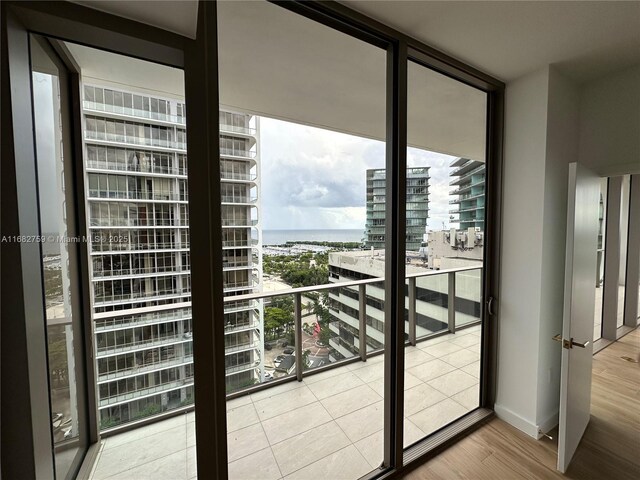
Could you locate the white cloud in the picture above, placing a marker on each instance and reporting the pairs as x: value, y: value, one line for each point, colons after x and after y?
x: 316, y: 179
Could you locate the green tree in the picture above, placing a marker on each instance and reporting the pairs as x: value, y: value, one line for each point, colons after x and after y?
x: 277, y: 320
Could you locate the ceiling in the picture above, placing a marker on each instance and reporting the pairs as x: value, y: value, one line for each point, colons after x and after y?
x: 585, y: 39
x: 179, y: 16
x: 509, y: 39
x: 275, y: 63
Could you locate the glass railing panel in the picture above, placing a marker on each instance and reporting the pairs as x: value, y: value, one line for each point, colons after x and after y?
x: 279, y: 338
x: 330, y: 326
x: 468, y: 299
x: 432, y: 304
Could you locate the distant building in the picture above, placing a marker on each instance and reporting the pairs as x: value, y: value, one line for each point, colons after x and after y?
x: 468, y: 193
x: 417, y: 207
x: 431, y: 300
x: 454, y: 248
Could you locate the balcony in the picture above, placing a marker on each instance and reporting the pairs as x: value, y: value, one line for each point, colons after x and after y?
x: 307, y: 423
x: 136, y: 297
x: 133, y: 169
x: 107, y: 350
x: 466, y: 167
x: 225, y: 128
x: 230, y: 152
x: 466, y: 188
x: 467, y: 176
x: 133, y: 113
x: 145, y: 392
x: 238, y: 199
x: 240, y: 243
x: 146, y: 368
x: 139, y: 141
x: 239, y: 222
x: 123, y: 320
x: 233, y: 348
x: 343, y: 404
x: 142, y: 195
x: 249, y: 177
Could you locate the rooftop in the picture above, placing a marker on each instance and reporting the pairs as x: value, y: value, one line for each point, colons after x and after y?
x: 373, y: 260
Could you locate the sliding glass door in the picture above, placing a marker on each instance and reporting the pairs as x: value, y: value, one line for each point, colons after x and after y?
x: 336, y: 219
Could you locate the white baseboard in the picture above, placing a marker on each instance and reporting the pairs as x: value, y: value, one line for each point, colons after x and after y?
x: 517, y: 421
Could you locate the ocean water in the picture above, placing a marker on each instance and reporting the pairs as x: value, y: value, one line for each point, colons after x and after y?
x: 279, y: 237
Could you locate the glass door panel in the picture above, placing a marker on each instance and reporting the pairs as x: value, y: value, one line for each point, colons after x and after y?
x: 302, y: 126
x: 59, y: 247
x: 445, y: 212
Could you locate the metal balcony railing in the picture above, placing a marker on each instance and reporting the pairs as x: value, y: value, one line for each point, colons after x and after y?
x: 361, y: 338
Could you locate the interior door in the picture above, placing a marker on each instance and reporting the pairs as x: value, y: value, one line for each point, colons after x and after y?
x: 577, y: 327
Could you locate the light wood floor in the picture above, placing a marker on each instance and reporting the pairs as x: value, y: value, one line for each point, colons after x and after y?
x: 610, y: 448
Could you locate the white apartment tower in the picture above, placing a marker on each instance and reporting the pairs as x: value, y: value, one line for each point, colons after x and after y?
x: 137, y: 206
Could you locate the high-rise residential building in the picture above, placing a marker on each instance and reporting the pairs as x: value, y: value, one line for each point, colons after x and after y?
x: 468, y: 192
x: 136, y: 186
x: 417, y: 207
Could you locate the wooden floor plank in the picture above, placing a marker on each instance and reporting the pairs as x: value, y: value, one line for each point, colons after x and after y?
x: 610, y: 448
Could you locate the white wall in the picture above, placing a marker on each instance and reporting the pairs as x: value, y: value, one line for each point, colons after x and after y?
x: 523, y: 208
x: 561, y: 149
x: 610, y: 123
x: 541, y: 139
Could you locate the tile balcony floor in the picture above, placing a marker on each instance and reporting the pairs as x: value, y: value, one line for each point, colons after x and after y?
x: 327, y: 426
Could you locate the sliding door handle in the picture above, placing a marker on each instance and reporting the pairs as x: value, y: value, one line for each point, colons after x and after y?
x: 490, y: 306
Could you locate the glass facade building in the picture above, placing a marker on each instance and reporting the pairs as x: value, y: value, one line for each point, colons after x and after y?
x: 417, y: 207
x: 468, y: 193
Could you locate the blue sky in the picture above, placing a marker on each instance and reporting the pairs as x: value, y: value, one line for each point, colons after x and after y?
x: 315, y: 179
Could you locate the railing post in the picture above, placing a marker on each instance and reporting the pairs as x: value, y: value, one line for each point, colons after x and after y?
x: 451, y: 304
x: 362, y: 317
x: 412, y: 311
x: 297, y: 313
